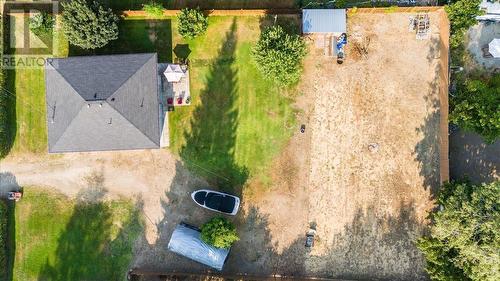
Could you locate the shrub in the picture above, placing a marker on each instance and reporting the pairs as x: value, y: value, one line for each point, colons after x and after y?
x: 279, y: 55
x: 153, y: 9
x: 462, y: 15
x: 42, y: 23
x: 192, y: 22
x: 464, y: 239
x: 3, y: 240
x: 89, y: 25
x: 219, y: 233
x: 476, y: 107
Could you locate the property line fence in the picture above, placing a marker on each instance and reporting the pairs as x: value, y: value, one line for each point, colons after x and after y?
x: 139, y: 275
x: 263, y: 12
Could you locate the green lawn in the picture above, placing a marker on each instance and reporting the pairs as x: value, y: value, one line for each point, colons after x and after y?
x: 27, y: 85
x: 238, y: 120
x: 61, y: 239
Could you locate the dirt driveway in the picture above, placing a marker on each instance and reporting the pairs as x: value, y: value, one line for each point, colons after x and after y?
x: 364, y: 172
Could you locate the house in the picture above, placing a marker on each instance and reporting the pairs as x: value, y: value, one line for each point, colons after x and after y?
x: 99, y: 103
x: 324, y: 21
x: 491, y: 9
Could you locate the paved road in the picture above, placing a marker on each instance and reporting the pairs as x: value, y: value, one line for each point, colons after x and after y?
x: 471, y: 157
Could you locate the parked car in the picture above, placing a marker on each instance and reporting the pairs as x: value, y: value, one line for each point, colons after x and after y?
x: 217, y: 201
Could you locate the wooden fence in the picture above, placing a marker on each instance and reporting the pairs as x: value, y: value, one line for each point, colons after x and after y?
x: 263, y: 12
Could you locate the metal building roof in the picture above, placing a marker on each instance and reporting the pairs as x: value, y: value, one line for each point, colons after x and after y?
x: 186, y: 241
x: 324, y: 21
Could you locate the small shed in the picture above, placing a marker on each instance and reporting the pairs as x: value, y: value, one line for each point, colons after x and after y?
x: 326, y: 21
x: 186, y: 241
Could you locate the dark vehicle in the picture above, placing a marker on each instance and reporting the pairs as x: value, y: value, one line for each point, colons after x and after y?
x: 217, y: 201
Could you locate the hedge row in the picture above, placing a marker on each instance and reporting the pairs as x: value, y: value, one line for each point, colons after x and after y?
x: 3, y: 240
x: 4, y: 105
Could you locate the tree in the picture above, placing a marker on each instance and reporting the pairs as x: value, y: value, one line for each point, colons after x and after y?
x: 153, y: 9
x: 462, y: 15
x: 476, y: 107
x: 219, y: 233
x: 89, y: 25
x: 279, y: 55
x: 465, y: 236
x: 192, y: 22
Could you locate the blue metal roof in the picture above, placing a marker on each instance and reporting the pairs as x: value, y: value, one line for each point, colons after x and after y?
x: 324, y: 21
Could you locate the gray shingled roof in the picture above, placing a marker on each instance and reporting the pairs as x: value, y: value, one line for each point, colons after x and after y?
x: 100, y: 103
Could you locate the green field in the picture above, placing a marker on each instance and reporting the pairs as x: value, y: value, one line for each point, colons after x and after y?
x: 61, y: 239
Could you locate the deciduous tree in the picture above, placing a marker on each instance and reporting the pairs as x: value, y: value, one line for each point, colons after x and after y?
x: 279, y: 55
x: 219, y: 233
x: 464, y: 241
x: 89, y: 25
x: 476, y: 107
x: 192, y: 22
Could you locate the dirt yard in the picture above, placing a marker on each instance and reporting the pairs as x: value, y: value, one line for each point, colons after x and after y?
x: 363, y: 173
x: 366, y: 169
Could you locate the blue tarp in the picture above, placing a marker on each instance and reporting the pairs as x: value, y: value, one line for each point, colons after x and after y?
x: 186, y: 241
x: 324, y: 21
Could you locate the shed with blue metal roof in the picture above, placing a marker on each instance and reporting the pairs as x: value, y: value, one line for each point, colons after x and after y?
x: 324, y: 21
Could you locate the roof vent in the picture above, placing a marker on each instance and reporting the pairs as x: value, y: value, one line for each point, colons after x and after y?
x: 112, y: 99
x: 100, y: 104
x: 88, y: 105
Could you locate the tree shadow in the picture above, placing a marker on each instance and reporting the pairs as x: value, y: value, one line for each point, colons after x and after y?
x: 137, y: 36
x: 372, y: 246
x: 210, y: 142
x: 434, y: 130
x: 472, y: 158
x: 290, y: 23
x: 8, y: 182
x: 90, y: 248
x: 8, y: 127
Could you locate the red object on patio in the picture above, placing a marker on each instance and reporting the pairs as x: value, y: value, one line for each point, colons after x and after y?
x: 170, y: 101
x: 179, y: 100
